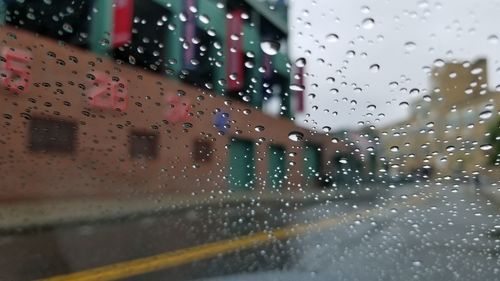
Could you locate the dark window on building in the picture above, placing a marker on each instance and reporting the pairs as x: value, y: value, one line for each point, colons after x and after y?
x: 144, y: 144
x: 50, y: 135
x: 148, y: 37
x: 202, y: 150
x: 65, y: 20
x: 204, y: 53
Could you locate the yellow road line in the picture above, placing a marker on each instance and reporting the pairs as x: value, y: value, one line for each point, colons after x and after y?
x: 179, y: 257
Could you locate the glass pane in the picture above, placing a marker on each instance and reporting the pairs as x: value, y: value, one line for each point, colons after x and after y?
x: 249, y: 140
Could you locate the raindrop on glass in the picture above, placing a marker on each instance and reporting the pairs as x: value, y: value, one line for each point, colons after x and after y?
x: 259, y: 128
x: 300, y: 62
x: 486, y: 147
x: 270, y: 47
x: 332, y: 37
x: 374, y: 68
x: 493, y: 39
x: 410, y: 46
x: 295, y: 136
x: 485, y: 114
x: 368, y: 23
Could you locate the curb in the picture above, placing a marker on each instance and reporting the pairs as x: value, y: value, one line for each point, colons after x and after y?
x: 34, y: 217
x: 492, y: 196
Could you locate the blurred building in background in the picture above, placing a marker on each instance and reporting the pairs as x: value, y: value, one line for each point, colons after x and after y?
x: 449, y: 130
x: 207, y: 43
x: 128, y: 97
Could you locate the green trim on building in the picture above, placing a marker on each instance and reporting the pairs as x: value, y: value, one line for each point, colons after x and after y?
x: 276, y: 17
x: 2, y: 12
x: 241, y: 164
x: 101, y: 26
x: 312, y: 162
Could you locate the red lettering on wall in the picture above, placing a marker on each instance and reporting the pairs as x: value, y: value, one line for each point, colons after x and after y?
x: 108, y: 94
x: 15, y: 68
x: 177, y: 109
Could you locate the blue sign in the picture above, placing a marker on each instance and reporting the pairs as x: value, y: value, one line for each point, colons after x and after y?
x: 221, y: 121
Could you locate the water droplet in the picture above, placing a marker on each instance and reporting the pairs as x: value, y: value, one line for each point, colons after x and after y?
x: 404, y: 104
x: 368, y: 23
x: 296, y: 87
x: 259, y: 128
x: 486, y: 147
x: 476, y: 71
x: 295, y: 136
x: 493, y: 39
x: 343, y: 161
x: 371, y: 107
x: 450, y: 148
x: 270, y: 47
x: 326, y: 129
x: 394, y: 148
x: 131, y: 59
x: 300, y: 62
x: 204, y: 19
x: 414, y: 92
x: 332, y: 37
x: 485, y: 114
x: 410, y: 46
x: 417, y: 263
x: 374, y: 68
x: 67, y: 27
x: 439, y: 63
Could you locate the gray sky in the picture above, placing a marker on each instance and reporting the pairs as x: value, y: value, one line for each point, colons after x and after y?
x: 405, y: 40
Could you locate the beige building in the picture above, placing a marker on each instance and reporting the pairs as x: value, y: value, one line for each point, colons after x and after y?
x: 447, y: 131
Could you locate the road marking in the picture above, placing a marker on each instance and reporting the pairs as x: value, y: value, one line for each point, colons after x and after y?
x: 184, y: 256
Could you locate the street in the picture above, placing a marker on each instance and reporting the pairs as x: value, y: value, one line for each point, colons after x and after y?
x: 407, y: 233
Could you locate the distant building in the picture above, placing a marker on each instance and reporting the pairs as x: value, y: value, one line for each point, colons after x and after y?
x: 447, y: 131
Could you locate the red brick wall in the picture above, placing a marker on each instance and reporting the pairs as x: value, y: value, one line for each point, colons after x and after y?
x: 101, y: 166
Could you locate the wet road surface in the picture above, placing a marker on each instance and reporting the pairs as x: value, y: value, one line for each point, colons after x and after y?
x: 407, y: 233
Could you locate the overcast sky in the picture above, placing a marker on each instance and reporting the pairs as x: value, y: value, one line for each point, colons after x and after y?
x: 406, y: 38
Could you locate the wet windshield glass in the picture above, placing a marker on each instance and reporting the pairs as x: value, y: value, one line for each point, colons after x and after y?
x: 249, y: 140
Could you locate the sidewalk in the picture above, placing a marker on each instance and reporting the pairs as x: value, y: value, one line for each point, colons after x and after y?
x: 21, y: 216
x: 491, y: 193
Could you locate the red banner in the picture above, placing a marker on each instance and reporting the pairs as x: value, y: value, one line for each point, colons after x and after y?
x: 123, y: 11
x: 234, y: 62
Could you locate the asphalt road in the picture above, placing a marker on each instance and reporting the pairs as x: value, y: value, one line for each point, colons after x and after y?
x: 407, y: 233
